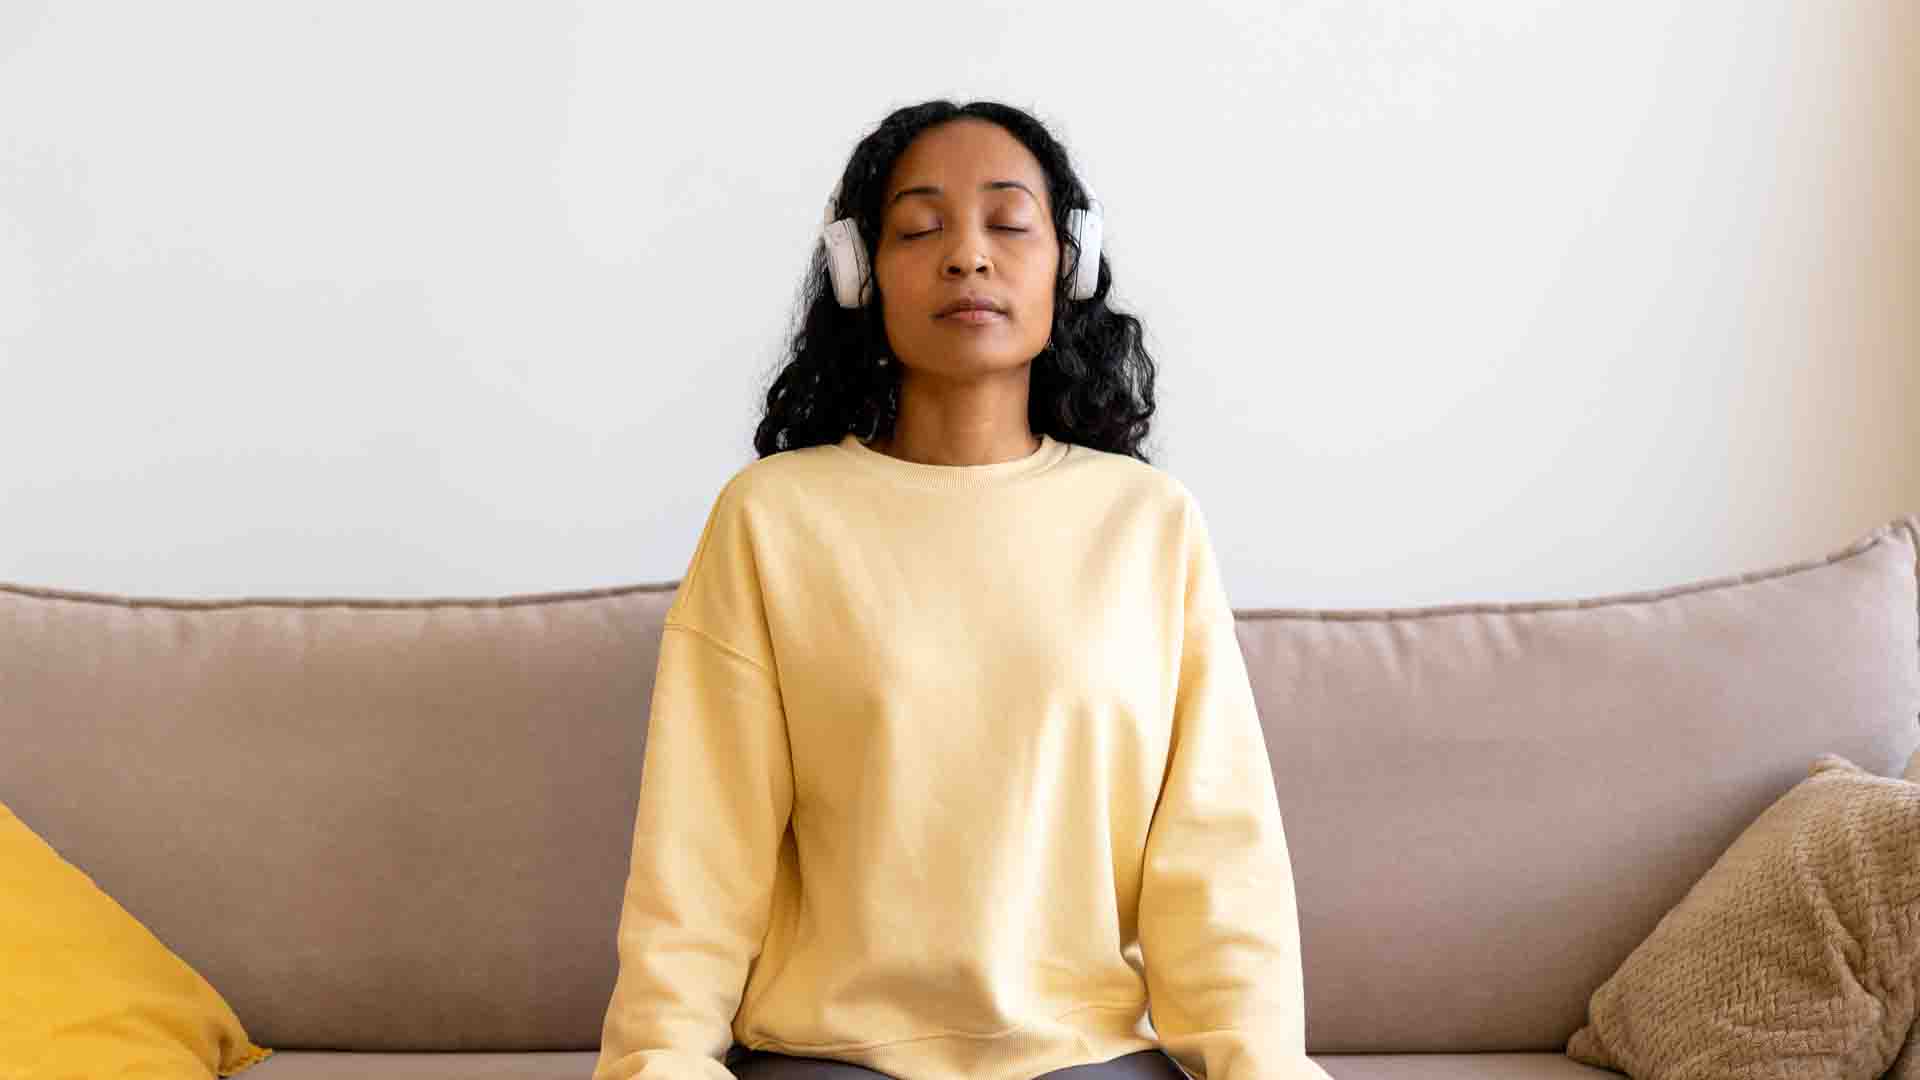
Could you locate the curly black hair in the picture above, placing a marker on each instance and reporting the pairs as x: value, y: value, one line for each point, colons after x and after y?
x: 1094, y: 387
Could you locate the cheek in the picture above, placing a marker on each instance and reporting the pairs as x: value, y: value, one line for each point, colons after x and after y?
x: 1037, y: 294
x: 893, y: 266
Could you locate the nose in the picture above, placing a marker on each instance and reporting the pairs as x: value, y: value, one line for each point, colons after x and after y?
x: 959, y: 266
x: 969, y: 253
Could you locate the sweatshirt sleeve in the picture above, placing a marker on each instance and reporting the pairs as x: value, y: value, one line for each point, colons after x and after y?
x: 1219, y: 929
x: 716, y: 794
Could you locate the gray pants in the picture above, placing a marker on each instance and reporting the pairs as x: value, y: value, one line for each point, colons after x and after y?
x: 767, y: 1065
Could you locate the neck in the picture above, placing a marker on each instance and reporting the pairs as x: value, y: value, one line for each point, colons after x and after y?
x: 978, y: 450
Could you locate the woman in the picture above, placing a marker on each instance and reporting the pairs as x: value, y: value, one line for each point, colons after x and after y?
x: 953, y: 769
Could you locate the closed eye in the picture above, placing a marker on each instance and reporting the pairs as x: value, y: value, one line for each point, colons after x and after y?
x: 923, y: 232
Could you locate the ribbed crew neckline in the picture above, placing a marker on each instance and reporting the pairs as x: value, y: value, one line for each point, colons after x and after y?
x: 920, y: 474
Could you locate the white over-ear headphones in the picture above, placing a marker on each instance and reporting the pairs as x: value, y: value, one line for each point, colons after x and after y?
x: 853, y: 287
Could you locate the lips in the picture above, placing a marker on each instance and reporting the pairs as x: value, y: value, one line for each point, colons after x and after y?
x: 974, y: 302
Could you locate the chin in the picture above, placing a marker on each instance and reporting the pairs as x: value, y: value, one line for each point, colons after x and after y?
x: 965, y: 360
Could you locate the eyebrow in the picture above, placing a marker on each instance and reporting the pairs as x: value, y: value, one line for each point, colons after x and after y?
x: 991, y: 185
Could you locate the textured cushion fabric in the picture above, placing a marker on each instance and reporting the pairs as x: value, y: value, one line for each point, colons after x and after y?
x: 87, y: 991
x: 1798, y: 951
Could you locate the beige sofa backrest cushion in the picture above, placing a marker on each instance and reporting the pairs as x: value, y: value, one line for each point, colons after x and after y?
x: 370, y: 825
x: 1490, y: 805
x: 405, y: 824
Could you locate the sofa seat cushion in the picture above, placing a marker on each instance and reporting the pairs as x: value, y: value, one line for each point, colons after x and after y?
x: 329, y: 1065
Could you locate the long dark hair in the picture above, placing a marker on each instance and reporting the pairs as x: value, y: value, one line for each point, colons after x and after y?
x: 1094, y: 387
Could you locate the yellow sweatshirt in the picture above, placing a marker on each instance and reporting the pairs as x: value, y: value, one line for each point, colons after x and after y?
x: 953, y: 772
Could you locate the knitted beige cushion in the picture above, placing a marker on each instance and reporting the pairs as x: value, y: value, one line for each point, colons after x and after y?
x: 1796, y: 955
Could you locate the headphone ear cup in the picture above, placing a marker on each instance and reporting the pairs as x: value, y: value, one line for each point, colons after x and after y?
x: 847, y: 263
x: 846, y: 256
x: 1086, y: 226
x: 862, y: 272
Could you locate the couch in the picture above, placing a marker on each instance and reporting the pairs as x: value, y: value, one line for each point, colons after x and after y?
x: 394, y: 833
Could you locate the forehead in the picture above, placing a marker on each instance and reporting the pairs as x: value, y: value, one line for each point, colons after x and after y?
x: 958, y: 157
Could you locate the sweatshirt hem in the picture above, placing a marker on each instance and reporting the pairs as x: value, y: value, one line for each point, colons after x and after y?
x: 779, y: 1046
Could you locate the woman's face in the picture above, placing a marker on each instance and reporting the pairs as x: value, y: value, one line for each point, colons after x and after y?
x: 965, y: 211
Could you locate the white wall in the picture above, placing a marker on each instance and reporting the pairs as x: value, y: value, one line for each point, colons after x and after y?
x: 1453, y: 301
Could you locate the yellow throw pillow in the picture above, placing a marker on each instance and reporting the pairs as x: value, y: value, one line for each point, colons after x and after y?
x: 86, y: 991
x: 1798, y: 950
